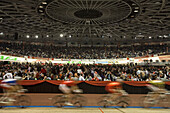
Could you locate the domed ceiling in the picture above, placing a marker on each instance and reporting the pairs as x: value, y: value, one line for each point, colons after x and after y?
x: 86, y: 19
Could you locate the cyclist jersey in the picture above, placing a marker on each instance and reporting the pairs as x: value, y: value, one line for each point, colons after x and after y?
x: 7, y: 83
x: 157, y: 83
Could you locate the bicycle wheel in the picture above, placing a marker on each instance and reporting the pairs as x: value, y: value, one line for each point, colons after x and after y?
x: 78, y: 100
x: 163, y: 101
x: 146, y: 101
x: 103, y: 103
x: 105, y: 97
x: 58, y: 101
x: 122, y: 104
x: 22, y: 101
x: 124, y: 101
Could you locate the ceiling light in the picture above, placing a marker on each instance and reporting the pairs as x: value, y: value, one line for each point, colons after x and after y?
x: 135, y: 11
x: 41, y: 11
x: 150, y: 37
x: 47, y: 36
x: 1, y: 19
x: 44, y: 2
x: 1, y: 33
x: 70, y: 36
x: 124, y: 36
x: 36, y: 36
x: 61, y: 35
x: 40, y: 6
x: 28, y: 36
x: 165, y: 36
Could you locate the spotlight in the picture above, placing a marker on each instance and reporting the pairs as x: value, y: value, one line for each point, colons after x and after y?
x: 1, y: 19
x: 61, y: 35
x: 165, y: 36
x: 47, y: 36
x: 36, y: 36
x: 41, y: 11
x: 132, y: 16
x: 40, y: 6
x: 28, y: 36
x: 136, y: 11
x: 69, y: 36
x: 1, y: 33
x: 150, y: 37
x: 44, y: 3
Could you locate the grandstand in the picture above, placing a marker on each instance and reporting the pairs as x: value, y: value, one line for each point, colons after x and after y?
x: 91, y: 42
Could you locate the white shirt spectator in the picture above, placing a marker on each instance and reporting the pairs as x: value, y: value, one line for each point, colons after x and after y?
x: 138, y: 72
x: 8, y: 76
x: 79, y: 71
x: 81, y: 78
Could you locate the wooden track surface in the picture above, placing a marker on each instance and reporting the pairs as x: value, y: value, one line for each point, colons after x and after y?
x: 83, y: 110
x: 43, y: 99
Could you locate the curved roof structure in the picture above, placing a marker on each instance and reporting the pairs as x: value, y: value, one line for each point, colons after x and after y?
x: 105, y: 21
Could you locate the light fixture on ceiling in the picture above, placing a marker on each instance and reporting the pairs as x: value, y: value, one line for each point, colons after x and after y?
x: 40, y: 6
x: 1, y: 19
x: 47, y: 36
x: 61, y: 35
x: 150, y: 37
x: 1, y: 33
x: 36, y: 36
x: 165, y: 36
x: 28, y: 36
x: 41, y: 11
x: 44, y: 3
x: 69, y: 36
x: 136, y: 11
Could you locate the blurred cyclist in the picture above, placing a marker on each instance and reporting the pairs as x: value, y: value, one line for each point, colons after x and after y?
x: 115, y: 89
x: 67, y: 87
x: 157, y: 87
x: 10, y: 89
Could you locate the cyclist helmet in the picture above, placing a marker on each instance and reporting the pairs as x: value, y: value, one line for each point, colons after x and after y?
x: 69, y: 83
x: 157, y: 83
x: 113, y: 85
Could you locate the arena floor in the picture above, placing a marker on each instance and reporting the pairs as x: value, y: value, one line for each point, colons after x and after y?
x: 83, y: 110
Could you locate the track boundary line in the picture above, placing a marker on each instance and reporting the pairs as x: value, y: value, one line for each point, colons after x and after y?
x: 91, y: 107
x: 101, y: 110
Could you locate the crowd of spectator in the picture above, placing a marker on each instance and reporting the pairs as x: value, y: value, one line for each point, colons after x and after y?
x: 104, y: 52
x: 82, y: 72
